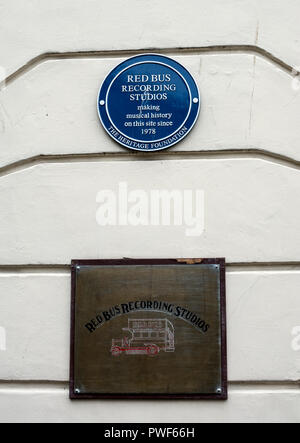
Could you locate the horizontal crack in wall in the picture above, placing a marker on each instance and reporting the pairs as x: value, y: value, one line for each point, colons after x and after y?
x: 231, y: 267
x: 253, y: 385
x: 168, y: 51
x: 165, y: 155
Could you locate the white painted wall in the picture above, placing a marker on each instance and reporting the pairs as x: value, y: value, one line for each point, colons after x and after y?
x: 55, y: 157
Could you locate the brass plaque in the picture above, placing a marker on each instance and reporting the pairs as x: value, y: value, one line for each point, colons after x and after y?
x: 148, y: 329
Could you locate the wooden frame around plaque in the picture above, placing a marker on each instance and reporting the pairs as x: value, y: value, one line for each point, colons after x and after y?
x: 148, y: 329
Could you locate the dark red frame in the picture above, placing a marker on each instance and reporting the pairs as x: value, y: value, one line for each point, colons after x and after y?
x: 126, y: 261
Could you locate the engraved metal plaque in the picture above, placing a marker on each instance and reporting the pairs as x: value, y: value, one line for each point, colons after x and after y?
x: 148, y: 329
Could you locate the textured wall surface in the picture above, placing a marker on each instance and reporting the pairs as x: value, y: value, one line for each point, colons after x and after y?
x: 243, y: 153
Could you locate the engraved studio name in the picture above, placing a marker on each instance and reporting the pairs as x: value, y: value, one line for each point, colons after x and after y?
x: 145, y: 87
x: 151, y: 306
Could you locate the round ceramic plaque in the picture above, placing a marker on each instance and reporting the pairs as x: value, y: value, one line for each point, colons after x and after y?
x: 148, y: 103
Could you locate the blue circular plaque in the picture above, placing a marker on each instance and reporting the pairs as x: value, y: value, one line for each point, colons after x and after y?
x: 148, y: 103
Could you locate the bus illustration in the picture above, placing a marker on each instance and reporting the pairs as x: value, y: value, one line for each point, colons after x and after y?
x: 147, y: 337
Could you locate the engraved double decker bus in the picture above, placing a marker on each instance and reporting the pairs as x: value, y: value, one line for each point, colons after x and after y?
x: 148, y: 337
